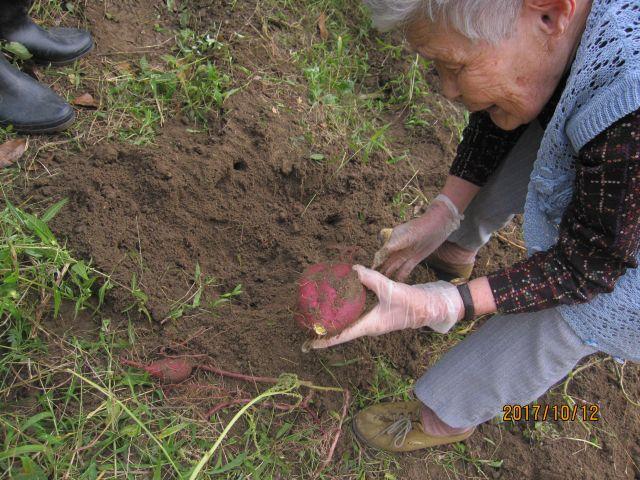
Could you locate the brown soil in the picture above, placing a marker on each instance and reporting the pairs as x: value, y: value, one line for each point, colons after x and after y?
x: 248, y: 206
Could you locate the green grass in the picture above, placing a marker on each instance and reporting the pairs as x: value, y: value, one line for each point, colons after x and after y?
x: 335, y: 71
x: 385, y: 385
x: 36, y: 269
x: 139, y: 95
x: 188, y: 83
x: 347, y: 108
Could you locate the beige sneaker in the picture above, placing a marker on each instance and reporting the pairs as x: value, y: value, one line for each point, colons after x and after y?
x: 455, y: 273
x: 397, y: 427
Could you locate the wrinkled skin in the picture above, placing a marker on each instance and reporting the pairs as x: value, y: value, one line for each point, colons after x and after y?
x: 513, y: 79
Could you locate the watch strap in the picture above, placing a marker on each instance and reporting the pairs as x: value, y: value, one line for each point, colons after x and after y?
x: 467, y: 301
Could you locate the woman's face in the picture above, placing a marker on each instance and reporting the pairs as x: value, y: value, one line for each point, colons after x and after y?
x: 511, y: 80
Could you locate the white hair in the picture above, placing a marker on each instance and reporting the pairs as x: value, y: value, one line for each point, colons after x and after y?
x: 490, y: 20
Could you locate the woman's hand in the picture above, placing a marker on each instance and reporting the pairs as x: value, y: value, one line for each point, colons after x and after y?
x: 412, y: 242
x: 436, y: 305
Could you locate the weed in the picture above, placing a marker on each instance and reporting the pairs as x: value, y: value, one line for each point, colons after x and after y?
x: 192, y: 301
x: 142, y: 95
x: 412, y: 86
x: 18, y: 50
x: 541, y: 431
x: 457, y: 124
x: 459, y: 455
x: 47, y: 12
x: 37, y: 270
x: 6, y: 133
x: 410, y: 200
x: 193, y: 81
x: 140, y: 299
x: 367, y: 145
x: 385, y: 385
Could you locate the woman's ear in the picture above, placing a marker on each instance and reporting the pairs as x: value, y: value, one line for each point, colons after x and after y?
x: 552, y: 16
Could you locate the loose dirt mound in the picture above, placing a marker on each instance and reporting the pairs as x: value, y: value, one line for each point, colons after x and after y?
x: 248, y: 206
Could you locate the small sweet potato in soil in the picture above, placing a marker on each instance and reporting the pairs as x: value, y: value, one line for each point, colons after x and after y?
x: 169, y: 370
x: 330, y: 298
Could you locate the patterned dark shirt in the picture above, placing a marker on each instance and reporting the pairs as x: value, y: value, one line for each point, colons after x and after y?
x: 599, y: 235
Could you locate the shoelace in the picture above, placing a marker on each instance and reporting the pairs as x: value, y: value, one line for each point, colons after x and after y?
x: 399, y: 429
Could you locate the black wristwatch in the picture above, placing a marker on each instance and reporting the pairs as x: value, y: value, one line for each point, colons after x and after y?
x: 467, y: 301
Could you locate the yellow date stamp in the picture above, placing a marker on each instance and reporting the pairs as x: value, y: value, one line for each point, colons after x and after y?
x: 556, y: 413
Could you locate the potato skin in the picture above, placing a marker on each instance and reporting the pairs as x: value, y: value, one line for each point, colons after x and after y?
x: 330, y: 298
x: 170, y: 370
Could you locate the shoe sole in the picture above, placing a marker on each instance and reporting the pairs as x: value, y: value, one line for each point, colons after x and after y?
x: 444, y: 441
x: 31, y: 129
x: 61, y: 63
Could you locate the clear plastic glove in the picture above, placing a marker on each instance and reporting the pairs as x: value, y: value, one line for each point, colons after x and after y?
x: 436, y: 305
x: 412, y: 242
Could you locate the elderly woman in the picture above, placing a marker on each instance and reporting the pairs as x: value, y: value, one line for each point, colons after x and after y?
x: 553, y: 87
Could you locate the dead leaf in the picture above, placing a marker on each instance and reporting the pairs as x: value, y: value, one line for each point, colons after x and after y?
x: 85, y: 100
x: 322, y: 27
x: 11, y: 151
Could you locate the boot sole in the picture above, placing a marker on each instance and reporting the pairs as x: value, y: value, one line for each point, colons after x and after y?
x: 51, y: 128
x: 60, y: 63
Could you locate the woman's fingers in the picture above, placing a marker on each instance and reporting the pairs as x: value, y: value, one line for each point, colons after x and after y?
x: 374, y: 281
x: 380, y: 258
x: 382, y: 255
x: 392, y: 264
x: 405, y: 270
x: 399, y: 239
x: 364, y: 326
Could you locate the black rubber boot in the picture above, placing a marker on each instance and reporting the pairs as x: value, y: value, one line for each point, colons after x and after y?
x: 29, y: 106
x: 55, y: 46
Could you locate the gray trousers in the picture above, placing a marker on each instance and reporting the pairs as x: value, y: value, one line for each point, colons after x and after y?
x: 511, y: 359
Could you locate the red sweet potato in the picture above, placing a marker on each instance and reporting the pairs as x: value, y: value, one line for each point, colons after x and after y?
x: 330, y: 298
x: 170, y: 370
